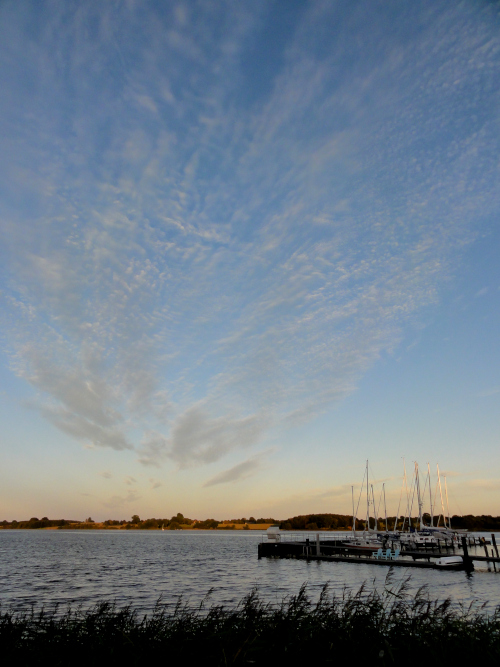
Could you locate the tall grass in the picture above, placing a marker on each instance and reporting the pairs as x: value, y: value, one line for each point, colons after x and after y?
x: 392, y: 627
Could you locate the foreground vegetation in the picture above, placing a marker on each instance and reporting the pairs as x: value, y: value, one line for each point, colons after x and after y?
x: 389, y: 628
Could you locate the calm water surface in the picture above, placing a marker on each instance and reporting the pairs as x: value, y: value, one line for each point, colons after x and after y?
x: 44, y: 568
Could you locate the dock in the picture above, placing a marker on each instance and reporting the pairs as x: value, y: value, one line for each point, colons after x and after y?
x: 340, y: 551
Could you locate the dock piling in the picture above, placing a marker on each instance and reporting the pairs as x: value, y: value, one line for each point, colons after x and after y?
x: 494, y: 543
x: 487, y: 556
x: 466, y: 558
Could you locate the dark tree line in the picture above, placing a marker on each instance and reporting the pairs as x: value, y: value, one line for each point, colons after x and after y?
x: 176, y: 522
x: 479, y: 523
x: 320, y: 522
x: 303, y: 522
x: 34, y: 522
x: 344, y: 522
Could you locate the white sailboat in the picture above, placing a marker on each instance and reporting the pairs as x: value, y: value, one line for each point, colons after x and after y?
x: 426, y: 534
x: 368, y: 540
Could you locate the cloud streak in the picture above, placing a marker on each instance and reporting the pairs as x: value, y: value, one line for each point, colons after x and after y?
x: 119, y: 501
x: 197, y: 438
x: 238, y: 472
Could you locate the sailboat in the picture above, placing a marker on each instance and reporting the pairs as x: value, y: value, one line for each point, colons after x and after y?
x: 426, y: 534
x: 368, y: 540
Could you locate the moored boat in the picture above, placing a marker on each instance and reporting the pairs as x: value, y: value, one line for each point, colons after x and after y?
x: 449, y: 562
x: 369, y: 545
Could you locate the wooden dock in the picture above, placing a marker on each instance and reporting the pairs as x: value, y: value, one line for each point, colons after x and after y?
x: 342, y: 552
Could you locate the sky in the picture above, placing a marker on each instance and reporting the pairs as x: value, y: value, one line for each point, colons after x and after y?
x: 245, y: 247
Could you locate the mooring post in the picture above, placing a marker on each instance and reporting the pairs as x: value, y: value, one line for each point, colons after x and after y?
x: 493, y: 562
x: 487, y: 555
x: 494, y: 542
x: 466, y: 557
x: 317, y: 545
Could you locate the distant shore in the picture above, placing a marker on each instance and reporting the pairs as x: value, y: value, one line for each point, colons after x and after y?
x: 305, y: 522
x: 101, y: 526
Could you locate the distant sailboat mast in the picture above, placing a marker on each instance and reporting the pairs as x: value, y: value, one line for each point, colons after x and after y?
x: 403, y: 486
x: 441, y: 495
x: 419, y: 498
x: 385, y: 511
x: 447, y: 504
x: 353, y: 513
x: 430, y: 494
x: 374, y: 509
x: 367, y: 527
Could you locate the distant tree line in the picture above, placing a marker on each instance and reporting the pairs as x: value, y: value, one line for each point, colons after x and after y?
x: 251, y: 520
x: 34, y: 522
x: 176, y: 522
x: 309, y: 522
x: 319, y: 522
x: 344, y: 522
x: 479, y: 523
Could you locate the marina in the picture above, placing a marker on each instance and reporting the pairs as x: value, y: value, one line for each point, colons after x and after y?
x: 451, y: 556
x: 412, y: 543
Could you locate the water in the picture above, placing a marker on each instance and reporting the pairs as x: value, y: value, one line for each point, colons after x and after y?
x: 49, y: 567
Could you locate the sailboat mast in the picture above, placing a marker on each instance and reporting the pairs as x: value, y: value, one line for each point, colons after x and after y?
x: 399, y: 506
x: 441, y: 495
x: 411, y: 498
x: 367, y: 527
x: 419, y: 499
x: 353, y: 517
x: 385, y: 510
x: 405, y: 480
x: 447, y: 504
x: 374, y: 508
x: 430, y: 494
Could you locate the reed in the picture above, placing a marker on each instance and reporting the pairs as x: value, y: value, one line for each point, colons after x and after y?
x: 392, y: 627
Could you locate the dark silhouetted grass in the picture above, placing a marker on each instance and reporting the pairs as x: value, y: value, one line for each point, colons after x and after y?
x: 383, y: 629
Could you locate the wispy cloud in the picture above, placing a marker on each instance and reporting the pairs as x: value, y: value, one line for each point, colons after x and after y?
x: 194, y: 255
x: 341, y: 491
x: 198, y: 438
x: 486, y: 484
x: 119, y: 501
x: 238, y: 472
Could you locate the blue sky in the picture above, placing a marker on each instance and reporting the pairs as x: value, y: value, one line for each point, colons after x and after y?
x: 244, y: 247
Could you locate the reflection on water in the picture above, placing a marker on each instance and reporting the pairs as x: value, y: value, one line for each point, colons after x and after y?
x: 139, y: 567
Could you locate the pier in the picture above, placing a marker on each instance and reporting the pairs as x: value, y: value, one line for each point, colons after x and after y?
x: 431, y: 556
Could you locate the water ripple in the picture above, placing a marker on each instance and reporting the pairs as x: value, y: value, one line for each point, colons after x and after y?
x: 47, y: 568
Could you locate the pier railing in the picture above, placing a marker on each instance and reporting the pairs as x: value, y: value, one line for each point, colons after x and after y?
x: 301, y: 536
